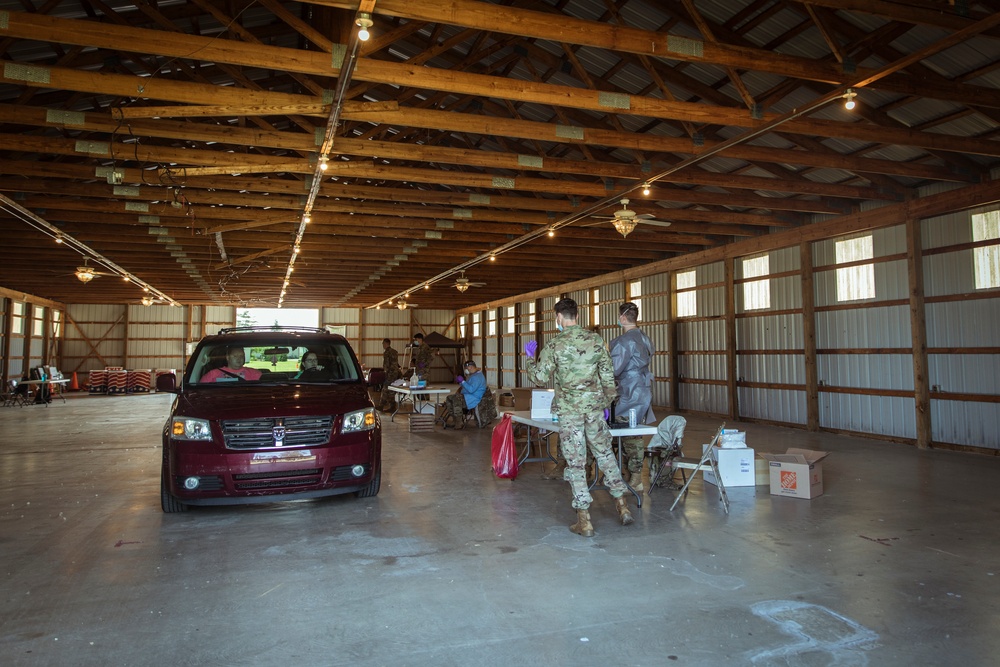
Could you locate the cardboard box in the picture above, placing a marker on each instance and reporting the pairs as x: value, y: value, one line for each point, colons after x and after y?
x: 762, y: 472
x: 798, y: 473
x: 541, y: 403
x: 735, y: 465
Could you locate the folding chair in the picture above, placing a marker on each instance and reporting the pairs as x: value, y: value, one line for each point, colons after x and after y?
x: 14, y: 395
x: 693, y: 464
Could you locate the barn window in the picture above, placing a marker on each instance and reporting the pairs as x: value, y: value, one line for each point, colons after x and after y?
x: 756, y: 293
x: 857, y: 281
x: 986, y: 258
x: 687, y: 305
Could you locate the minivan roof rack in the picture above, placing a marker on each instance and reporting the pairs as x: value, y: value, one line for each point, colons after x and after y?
x: 280, y: 327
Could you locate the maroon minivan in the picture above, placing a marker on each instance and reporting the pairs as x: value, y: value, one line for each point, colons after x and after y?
x: 269, y: 413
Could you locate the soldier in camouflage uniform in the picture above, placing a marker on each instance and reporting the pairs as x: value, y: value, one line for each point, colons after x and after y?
x: 422, y: 357
x: 581, y: 367
x: 390, y: 364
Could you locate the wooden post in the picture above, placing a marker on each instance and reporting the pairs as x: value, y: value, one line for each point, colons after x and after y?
x: 731, y: 365
x: 674, y: 357
x: 918, y: 332
x: 809, y: 335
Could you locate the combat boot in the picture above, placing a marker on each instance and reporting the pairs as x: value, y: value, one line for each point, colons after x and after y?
x: 556, y: 472
x: 583, y: 526
x: 623, y: 513
x: 635, y: 481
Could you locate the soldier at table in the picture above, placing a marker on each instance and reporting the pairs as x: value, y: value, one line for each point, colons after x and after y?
x: 390, y: 365
x: 579, y: 364
x: 422, y: 356
x: 631, y: 354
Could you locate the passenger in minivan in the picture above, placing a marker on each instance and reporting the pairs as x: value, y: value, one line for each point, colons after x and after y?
x: 234, y: 370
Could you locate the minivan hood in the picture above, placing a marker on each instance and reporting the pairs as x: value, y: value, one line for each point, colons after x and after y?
x: 271, y: 400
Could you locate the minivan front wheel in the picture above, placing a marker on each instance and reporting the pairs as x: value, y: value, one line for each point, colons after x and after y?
x: 168, y: 503
x: 371, y: 490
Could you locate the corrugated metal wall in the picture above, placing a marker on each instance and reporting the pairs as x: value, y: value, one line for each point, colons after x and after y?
x: 962, y: 337
x: 865, y: 345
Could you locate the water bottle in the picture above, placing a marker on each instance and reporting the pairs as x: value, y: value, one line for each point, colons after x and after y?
x: 631, y: 418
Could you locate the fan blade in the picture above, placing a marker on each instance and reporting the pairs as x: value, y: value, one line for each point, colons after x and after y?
x: 656, y: 223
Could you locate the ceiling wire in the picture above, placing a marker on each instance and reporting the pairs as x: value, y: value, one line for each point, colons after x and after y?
x: 840, y: 92
x: 16, y: 210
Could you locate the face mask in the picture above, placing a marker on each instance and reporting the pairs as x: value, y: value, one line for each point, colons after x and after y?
x: 559, y: 326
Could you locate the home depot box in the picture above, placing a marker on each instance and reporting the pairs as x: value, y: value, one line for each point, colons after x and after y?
x: 735, y: 466
x: 798, y: 473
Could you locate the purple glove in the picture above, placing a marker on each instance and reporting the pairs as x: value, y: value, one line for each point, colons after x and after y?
x: 459, y: 379
x: 531, y: 347
x: 607, y: 414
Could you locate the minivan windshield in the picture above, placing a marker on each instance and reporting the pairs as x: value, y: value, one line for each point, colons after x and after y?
x: 274, y: 360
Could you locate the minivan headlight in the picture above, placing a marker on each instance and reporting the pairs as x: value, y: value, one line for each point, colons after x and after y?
x: 360, y: 420
x: 188, y: 428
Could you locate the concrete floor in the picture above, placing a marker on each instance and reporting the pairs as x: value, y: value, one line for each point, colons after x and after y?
x: 897, y: 564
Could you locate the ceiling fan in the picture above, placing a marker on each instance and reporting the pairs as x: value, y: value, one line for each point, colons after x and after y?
x: 625, y: 219
x: 462, y: 283
x: 403, y: 304
x: 87, y: 273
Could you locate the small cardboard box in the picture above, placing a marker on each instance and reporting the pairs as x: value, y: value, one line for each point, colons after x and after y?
x: 735, y: 465
x: 798, y: 473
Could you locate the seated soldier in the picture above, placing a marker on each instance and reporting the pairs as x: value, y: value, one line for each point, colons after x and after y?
x: 470, y: 392
x: 234, y: 370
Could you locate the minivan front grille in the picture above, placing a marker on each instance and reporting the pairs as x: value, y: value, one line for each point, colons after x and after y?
x: 260, y: 433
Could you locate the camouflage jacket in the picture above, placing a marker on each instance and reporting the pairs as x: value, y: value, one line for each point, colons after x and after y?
x: 422, y: 357
x: 390, y: 364
x: 580, y: 366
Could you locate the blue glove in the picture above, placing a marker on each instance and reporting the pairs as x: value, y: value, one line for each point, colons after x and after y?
x: 607, y: 414
x: 459, y: 379
x: 531, y: 347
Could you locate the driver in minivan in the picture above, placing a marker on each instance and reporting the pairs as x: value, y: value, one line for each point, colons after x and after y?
x: 234, y: 370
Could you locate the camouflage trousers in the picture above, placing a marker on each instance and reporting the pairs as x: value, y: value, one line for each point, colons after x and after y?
x: 577, y: 435
x: 634, y: 449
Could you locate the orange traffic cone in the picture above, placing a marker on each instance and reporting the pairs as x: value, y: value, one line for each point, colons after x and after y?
x: 74, y: 385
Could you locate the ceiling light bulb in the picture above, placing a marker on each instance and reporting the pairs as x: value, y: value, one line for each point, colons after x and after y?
x: 297, y: 250
x: 59, y: 239
x: 461, y: 287
x: 493, y: 258
x: 645, y: 189
x: 307, y: 218
x: 147, y: 301
x: 364, y: 21
x: 125, y: 278
x: 849, y: 97
x: 323, y: 162
x: 552, y: 232
x: 427, y: 286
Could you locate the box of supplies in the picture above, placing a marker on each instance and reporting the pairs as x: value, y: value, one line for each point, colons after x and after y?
x: 735, y: 465
x: 730, y: 438
x: 798, y: 473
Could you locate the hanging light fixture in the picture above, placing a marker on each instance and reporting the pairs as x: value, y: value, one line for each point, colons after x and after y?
x: 624, y: 225
x: 84, y: 274
x: 364, y: 21
x: 148, y: 301
x: 849, y: 96
x: 461, y: 287
x: 645, y: 188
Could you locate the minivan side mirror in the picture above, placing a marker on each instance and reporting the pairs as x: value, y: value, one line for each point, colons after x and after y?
x: 167, y: 383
